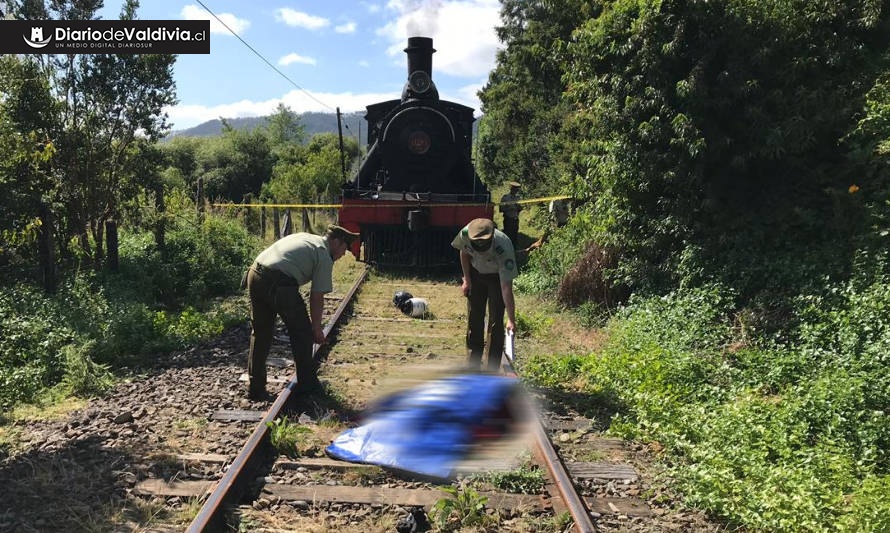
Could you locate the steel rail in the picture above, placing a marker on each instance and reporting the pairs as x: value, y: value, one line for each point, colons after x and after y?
x: 563, y: 482
x: 210, y: 517
x: 558, y: 473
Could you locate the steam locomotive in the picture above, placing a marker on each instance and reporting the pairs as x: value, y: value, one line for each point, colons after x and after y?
x: 417, y: 185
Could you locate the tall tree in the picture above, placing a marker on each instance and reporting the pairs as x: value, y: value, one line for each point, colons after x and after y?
x: 521, y: 103
x: 26, y: 149
x: 712, y: 134
x: 284, y: 127
x: 235, y: 164
x: 316, y: 174
x: 106, y: 102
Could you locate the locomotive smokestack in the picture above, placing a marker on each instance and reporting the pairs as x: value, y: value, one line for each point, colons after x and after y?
x: 420, y: 55
x: 420, y: 70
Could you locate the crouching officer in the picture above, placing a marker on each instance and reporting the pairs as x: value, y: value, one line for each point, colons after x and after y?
x: 273, y: 283
x: 488, y: 263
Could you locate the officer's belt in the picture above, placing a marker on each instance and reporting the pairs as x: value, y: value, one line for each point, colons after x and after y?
x: 274, y: 275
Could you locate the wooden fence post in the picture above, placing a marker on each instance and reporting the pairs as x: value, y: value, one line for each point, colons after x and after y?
x: 199, y: 200
x: 111, y: 240
x: 47, y: 248
x: 307, y: 227
x: 161, y: 207
x: 262, y: 222
x: 288, y: 224
x: 276, y: 221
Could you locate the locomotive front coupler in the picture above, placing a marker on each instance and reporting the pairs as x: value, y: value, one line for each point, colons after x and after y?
x: 418, y: 218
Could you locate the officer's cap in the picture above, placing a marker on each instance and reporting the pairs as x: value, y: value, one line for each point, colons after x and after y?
x: 480, y: 229
x: 339, y: 232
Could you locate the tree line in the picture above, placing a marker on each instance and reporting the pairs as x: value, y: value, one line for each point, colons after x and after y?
x: 728, y: 161
x: 739, y: 141
x: 80, y: 152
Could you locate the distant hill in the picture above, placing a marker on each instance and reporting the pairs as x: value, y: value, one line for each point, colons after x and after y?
x: 353, y: 125
x: 312, y: 122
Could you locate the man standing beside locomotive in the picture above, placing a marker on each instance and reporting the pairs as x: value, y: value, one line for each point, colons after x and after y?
x: 488, y: 263
x: 510, y: 208
x: 273, y: 283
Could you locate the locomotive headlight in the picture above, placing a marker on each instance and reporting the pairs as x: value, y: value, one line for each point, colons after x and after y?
x: 419, y: 81
x: 419, y: 142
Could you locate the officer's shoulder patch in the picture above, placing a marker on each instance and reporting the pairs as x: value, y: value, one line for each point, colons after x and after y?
x: 509, y: 264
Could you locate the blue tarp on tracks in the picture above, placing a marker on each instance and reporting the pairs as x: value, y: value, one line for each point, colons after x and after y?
x: 428, y: 429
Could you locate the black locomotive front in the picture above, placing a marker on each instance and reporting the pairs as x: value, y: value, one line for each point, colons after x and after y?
x: 417, y: 185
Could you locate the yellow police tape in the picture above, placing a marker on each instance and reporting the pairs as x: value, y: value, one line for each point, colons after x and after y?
x: 337, y: 206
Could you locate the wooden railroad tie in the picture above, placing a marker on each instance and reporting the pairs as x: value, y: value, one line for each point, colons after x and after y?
x: 397, y: 496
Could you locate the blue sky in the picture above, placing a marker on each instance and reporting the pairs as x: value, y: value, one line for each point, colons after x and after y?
x: 345, y: 54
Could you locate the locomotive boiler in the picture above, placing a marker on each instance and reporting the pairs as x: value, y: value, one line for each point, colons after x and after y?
x: 417, y: 185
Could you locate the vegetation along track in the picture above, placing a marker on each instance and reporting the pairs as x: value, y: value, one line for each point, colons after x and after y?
x: 150, y: 456
x: 379, y: 349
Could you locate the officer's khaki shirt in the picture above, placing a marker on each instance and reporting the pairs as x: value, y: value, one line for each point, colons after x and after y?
x: 304, y: 257
x: 500, y: 258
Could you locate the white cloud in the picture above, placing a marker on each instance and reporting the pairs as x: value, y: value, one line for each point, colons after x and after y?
x: 371, y: 7
x: 193, y: 12
x: 448, y: 23
x: 348, y: 27
x: 467, y: 95
x: 468, y: 92
x: 299, y: 19
x: 296, y: 58
x: 186, y: 116
x: 463, y: 33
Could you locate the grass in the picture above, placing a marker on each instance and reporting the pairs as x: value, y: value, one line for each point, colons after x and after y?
x: 768, y: 435
x: 194, y: 425
x: 289, y: 438
x: 527, y: 479
x: 151, y: 514
x: 544, y: 330
x: 50, y: 407
x: 461, y: 507
x: 364, y: 476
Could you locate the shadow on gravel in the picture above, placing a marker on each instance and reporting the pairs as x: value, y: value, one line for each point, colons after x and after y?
x: 318, y: 406
x: 227, y: 348
x: 599, y: 408
x: 79, y: 472
x: 76, y: 486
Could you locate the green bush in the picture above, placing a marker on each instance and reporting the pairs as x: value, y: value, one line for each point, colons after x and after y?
x: 869, y: 508
x: 197, y: 263
x: 158, y: 301
x: 549, y: 263
x: 187, y: 327
x: 532, y: 324
x: 32, y: 335
x: 83, y: 376
x: 787, y: 435
x: 550, y: 372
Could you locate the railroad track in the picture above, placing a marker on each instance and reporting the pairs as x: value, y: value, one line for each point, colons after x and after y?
x: 260, y: 488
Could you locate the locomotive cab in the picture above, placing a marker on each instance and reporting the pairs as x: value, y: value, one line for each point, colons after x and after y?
x: 417, y: 185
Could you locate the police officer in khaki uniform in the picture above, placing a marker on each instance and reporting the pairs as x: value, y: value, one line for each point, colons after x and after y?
x: 510, y: 209
x: 273, y: 283
x: 488, y: 263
